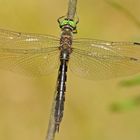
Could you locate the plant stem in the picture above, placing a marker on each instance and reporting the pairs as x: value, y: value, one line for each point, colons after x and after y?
x: 51, y: 128
x: 71, y: 9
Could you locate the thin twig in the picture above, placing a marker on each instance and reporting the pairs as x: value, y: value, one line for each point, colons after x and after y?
x: 51, y: 128
x: 71, y: 9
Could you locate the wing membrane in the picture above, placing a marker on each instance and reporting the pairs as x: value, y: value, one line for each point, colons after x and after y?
x: 95, y: 59
x: 28, y: 53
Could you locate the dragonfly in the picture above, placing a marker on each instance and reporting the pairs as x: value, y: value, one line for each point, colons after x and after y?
x: 39, y: 54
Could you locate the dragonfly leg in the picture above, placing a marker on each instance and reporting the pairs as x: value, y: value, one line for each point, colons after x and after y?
x: 61, y: 18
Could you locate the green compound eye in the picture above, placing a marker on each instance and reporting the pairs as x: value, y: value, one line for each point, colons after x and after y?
x: 68, y: 22
x: 64, y: 22
x: 72, y: 23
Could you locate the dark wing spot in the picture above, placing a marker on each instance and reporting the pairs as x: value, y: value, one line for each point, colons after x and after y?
x: 134, y: 59
x: 136, y: 43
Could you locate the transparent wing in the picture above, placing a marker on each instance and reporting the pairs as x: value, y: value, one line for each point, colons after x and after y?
x: 95, y: 59
x: 31, y: 54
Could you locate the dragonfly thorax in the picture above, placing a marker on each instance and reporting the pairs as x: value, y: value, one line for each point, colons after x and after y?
x: 67, y: 32
x: 66, y: 40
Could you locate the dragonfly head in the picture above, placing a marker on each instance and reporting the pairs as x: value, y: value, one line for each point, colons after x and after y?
x: 65, y: 23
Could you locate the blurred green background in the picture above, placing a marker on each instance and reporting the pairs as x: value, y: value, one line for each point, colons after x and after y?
x: 100, y: 110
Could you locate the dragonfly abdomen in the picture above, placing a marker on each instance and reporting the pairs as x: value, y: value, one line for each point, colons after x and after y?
x: 61, y: 88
